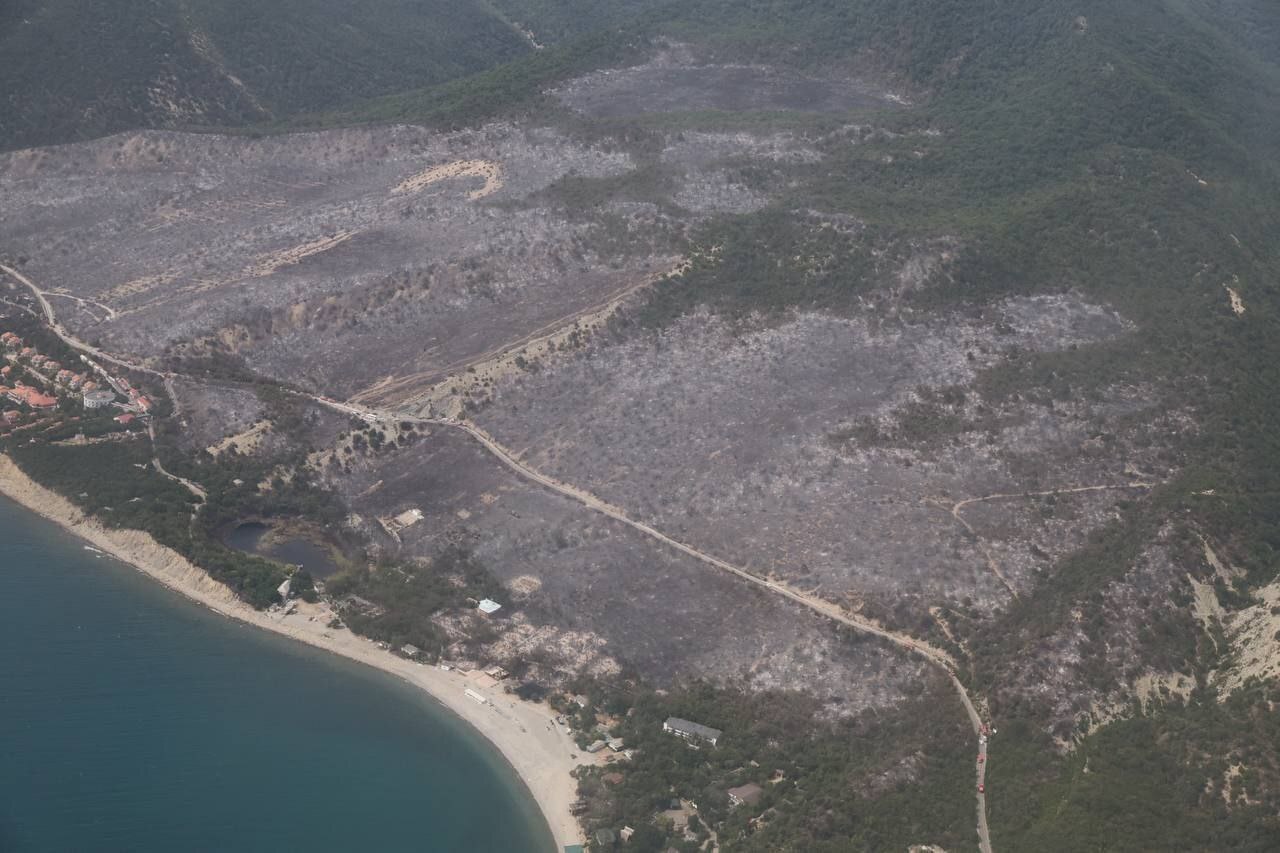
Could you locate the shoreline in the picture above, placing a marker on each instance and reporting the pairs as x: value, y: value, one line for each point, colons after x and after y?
x: 525, y: 734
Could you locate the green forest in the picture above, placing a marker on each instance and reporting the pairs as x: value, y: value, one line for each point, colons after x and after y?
x: 90, y: 69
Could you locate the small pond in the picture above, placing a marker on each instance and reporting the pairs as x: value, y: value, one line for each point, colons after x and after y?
x: 252, y: 538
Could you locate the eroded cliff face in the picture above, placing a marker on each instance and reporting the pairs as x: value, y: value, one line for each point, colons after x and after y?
x: 131, y: 546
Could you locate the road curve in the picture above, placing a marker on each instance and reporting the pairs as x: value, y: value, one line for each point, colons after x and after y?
x: 937, y: 657
x: 825, y: 608
x: 68, y: 338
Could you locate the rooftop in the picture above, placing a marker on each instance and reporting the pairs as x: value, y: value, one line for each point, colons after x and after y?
x: 691, y: 728
x: 749, y: 793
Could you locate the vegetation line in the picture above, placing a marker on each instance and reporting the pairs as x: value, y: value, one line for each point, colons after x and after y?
x: 825, y: 608
x: 828, y: 609
x: 74, y: 342
x: 992, y: 564
x: 70, y: 339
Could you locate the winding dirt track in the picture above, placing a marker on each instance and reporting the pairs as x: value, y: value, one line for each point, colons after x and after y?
x: 70, y: 339
x: 827, y: 609
x: 994, y: 567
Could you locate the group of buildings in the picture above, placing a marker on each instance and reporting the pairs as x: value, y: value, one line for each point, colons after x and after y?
x: 135, y: 402
x: 45, y: 370
x: 53, y: 379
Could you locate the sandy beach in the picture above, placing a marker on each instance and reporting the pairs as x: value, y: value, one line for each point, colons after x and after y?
x: 541, y: 753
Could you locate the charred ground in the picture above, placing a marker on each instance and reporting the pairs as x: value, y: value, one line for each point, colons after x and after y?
x: 992, y: 369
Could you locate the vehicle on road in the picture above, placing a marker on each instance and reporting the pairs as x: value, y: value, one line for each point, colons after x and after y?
x: 981, y: 757
x: 982, y: 789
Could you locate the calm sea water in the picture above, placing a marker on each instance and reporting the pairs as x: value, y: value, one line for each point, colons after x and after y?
x: 133, y: 720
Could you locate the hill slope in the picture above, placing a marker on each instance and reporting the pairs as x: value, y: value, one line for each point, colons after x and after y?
x: 1117, y: 154
x: 86, y: 69
x: 1130, y: 152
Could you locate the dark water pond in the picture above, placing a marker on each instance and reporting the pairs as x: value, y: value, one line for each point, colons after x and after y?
x: 251, y: 537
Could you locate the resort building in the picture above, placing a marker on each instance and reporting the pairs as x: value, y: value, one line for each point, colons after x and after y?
x: 98, y: 398
x: 694, y: 733
x: 33, y: 398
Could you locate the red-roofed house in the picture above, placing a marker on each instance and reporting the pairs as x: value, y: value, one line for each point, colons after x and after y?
x: 33, y: 398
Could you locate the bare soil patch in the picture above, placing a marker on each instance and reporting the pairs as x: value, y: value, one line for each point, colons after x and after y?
x: 651, y: 608
x: 725, y: 441
x: 677, y: 81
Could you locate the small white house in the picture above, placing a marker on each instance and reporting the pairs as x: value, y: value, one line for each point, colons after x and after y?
x: 488, y: 606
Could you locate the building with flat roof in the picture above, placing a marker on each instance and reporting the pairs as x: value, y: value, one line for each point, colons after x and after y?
x: 98, y: 398
x: 692, y: 732
x: 749, y: 794
x: 488, y: 606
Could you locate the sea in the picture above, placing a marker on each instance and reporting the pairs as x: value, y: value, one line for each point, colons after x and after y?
x: 132, y: 719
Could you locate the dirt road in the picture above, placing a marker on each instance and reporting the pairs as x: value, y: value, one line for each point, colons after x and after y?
x: 830, y: 610
x: 68, y: 338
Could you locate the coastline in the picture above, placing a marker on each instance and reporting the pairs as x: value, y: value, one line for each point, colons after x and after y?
x: 537, y: 750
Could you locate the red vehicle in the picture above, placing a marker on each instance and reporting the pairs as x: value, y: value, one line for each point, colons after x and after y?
x: 982, y: 789
x: 981, y: 758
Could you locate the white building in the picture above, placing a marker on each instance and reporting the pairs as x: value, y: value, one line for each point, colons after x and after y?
x: 99, y: 398
x: 692, y: 732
